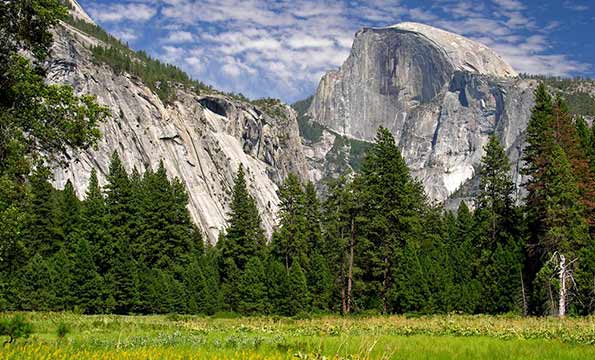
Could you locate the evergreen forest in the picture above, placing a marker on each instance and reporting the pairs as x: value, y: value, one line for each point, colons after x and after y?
x: 373, y: 243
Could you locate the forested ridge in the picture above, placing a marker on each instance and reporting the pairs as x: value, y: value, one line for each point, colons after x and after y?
x: 374, y: 243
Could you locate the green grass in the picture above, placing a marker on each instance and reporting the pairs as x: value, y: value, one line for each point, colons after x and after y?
x: 395, y: 337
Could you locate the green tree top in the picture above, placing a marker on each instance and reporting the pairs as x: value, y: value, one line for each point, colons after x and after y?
x: 244, y: 235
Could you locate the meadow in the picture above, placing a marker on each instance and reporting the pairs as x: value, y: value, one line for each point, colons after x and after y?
x: 325, y: 337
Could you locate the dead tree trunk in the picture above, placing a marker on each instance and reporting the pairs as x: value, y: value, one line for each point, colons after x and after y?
x: 343, y: 295
x: 350, y: 269
x: 563, y: 275
x: 525, y: 306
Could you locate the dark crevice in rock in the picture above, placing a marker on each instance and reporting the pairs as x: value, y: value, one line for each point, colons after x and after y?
x: 214, y: 105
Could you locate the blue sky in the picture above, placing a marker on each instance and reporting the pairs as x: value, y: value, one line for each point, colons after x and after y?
x: 282, y: 48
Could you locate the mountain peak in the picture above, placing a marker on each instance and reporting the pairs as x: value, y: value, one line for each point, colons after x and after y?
x: 465, y: 54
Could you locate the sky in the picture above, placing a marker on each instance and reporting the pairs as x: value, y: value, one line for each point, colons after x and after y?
x: 282, y: 48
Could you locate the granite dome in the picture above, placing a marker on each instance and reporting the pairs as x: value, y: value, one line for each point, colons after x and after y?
x: 465, y: 54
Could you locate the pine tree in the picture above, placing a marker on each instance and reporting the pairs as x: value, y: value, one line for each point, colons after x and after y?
x: 194, y: 284
x: 123, y: 279
x: 32, y: 288
x: 500, y: 260
x: 71, y: 212
x: 313, y: 219
x: 86, y: 288
x: 42, y: 235
x: 95, y: 224
x: 565, y: 231
x: 118, y: 200
x: 211, y: 297
x: 229, y: 284
x: 438, y: 272
x: 568, y: 137
x: 563, y: 219
x: 464, y: 260
x: 251, y: 287
x: 277, y: 287
x: 244, y: 236
x: 61, y: 277
x: 339, y: 246
x: 320, y: 281
x: 165, y: 228
x: 298, y: 297
x: 392, y: 203
x: 290, y: 243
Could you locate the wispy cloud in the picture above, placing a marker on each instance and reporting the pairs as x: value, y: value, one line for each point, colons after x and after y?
x: 121, y: 12
x: 572, y: 5
x: 179, y: 37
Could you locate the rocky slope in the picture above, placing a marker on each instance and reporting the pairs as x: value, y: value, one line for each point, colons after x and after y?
x: 201, y: 137
x: 440, y: 94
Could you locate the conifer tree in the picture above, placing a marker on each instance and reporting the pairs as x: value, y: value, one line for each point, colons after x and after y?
x: 290, y: 243
x: 244, y: 236
x: 122, y: 278
x: 165, y: 225
x: 567, y: 136
x: 60, y: 273
x: 194, y: 283
x: 313, y: 219
x: 251, y: 287
x: 118, y: 201
x: 32, y: 287
x: 438, y: 272
x: 86, y: 287
x: 392, y: 203
x: 42, y: 235
x: 71, y: 213
x: 95, y: 224
x: 464, y: 260
x: 500, y: 260
x: 298, y: 297
x: 211, y: 297
x: 340, y: 240
x: 277, y: 287
x: 564, y: 221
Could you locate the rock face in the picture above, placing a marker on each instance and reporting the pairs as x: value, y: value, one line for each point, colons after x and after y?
x: 201, y: 138
x: 439, y: 93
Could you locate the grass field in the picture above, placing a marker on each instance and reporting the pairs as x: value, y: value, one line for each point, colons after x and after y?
x: 394, y: 337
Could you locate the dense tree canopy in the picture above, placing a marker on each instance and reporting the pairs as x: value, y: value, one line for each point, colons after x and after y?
x: 372, y: 243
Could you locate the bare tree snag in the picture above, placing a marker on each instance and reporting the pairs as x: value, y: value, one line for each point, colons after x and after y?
x: 563, y: 275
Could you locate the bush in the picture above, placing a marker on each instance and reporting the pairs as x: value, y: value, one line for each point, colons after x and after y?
x: 15, y: 328
x: 62, y: 330
x: 303, y: 315
x: 226, y: 315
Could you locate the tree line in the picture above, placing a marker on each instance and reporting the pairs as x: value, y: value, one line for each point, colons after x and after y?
x: 373, y: 243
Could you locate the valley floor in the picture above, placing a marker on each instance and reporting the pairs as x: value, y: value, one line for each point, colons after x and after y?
x: 331, y: 337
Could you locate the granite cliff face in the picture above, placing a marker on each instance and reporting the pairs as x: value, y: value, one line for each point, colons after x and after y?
x: 440, y: 94
x: 201, y: 138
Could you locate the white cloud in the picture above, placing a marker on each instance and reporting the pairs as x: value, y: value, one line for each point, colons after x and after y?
x: 126, y: 35
x: 177, y: 37
x: 122, y: 12
x: 301, y: 41
x: 575, y: 6
x: 510, y: 4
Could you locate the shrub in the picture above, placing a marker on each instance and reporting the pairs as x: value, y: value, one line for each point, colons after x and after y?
x: 15, y: 328
x: 62, y: 330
